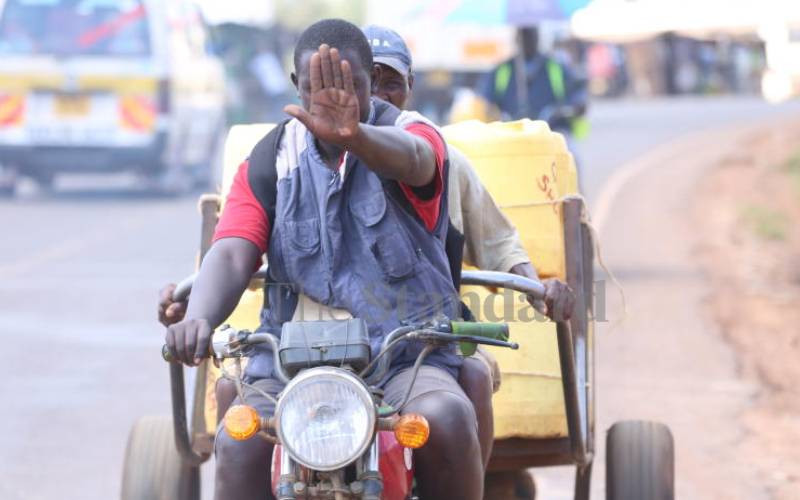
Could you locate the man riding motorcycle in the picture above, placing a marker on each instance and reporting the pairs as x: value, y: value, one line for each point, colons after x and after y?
x: 491, y: 242
x: 357, y: 227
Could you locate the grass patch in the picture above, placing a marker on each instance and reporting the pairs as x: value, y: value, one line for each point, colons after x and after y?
x: 767, y: 224
x: 792, y: 169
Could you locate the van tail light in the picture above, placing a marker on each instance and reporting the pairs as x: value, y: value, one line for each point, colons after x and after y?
x: 137, y: 113
x: 12, y: 109
x: 164, y: 96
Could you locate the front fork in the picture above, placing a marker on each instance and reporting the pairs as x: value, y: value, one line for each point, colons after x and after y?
x: 369, y: 485
x: 369, y: 471
x: 288, y: 486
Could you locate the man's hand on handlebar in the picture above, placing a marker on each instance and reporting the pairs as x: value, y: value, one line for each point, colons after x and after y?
x: 188, y: 340
x: 169, y: 311
x: 559, y: 300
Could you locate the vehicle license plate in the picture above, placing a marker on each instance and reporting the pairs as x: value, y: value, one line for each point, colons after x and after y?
x: 71, y: 105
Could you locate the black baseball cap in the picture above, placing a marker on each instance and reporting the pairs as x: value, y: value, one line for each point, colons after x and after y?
x: 388, y: 48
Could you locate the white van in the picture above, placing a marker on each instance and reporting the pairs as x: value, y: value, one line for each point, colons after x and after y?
x: 108, y: 86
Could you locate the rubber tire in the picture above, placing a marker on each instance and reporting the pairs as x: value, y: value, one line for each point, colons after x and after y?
x: 153, y: 469
x: 509, y: 485
x: 640, y: 461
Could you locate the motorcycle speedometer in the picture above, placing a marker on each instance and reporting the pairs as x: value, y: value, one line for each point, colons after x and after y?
x: 326, y: 418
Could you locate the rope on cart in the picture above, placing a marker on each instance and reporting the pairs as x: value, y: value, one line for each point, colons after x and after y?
x: 586, y: 219
x: 533, y: 374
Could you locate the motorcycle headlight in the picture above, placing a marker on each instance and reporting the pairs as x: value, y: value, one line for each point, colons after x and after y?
x: 326, y: 418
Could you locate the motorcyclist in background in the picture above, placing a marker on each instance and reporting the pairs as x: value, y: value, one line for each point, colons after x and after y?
x: 553, y: 91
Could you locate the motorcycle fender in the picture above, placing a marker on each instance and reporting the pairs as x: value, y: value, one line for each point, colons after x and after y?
x: 276, y: 469
x: 396, y: 467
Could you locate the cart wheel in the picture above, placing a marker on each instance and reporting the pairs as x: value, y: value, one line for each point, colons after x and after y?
x: 510, y: 485
x: 153, y: 469
x: 640, y: 462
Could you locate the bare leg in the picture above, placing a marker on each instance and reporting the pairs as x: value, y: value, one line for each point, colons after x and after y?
x: 476, y: 381
x: 449, y: 466
x: 225, y: 393
x: 243, y: 469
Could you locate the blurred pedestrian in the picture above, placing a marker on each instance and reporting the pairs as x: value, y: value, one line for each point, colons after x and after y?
x: 551, y: 90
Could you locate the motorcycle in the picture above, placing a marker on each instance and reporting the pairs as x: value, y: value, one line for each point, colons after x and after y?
x: 334, y: 437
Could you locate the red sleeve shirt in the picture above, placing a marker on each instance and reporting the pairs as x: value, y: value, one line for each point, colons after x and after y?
x: 244, y: 217
x: 428, y: 208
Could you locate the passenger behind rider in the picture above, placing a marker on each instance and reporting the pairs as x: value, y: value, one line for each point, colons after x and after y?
x: 490, y: 240
x: 377, y: 174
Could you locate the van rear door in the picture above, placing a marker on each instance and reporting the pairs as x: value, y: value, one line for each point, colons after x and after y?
x: 77, y: 73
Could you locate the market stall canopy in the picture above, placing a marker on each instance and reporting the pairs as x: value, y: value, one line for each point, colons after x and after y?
x: 247, y: 12
x: 511, y: 12
x: 465, y: 35
x: 625, y: 20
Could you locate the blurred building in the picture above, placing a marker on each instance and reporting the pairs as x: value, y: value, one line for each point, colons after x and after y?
x: 698, y: 46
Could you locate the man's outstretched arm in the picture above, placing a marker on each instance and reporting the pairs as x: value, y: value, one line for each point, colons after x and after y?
x: 333, y: 117
x: 395, y: 154
x: 224, y: 274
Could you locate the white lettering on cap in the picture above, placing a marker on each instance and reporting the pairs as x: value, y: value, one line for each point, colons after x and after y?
x: 376, y: 42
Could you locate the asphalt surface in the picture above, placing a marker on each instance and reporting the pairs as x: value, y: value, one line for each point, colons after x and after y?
x: 79, y: 275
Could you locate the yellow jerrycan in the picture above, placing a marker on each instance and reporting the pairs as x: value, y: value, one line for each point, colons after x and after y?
x: 528, y: 169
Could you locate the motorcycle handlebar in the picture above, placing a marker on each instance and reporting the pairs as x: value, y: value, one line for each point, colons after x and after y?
x: 529, y: 286
x: 251, y: 339
x: 497, y: 331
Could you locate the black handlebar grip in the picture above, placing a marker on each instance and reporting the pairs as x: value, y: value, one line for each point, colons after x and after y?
x: 169, y: 358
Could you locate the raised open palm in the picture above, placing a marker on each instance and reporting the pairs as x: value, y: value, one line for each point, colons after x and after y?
x: 333, y: 114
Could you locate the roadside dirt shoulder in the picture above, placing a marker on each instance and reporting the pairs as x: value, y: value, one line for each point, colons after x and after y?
x: 672, y: 359
x: 747, y: 208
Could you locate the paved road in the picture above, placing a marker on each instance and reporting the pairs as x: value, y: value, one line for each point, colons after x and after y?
x: 79, y: 272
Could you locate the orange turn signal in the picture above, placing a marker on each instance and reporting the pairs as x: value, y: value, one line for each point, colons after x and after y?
x: 242, y: 422
x: 412, y: 430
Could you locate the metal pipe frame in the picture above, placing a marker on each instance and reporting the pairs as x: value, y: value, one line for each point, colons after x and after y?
x: 179, y: 423
x: 576, y: 345
x: 495, y: 279
x: 575, y: 421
